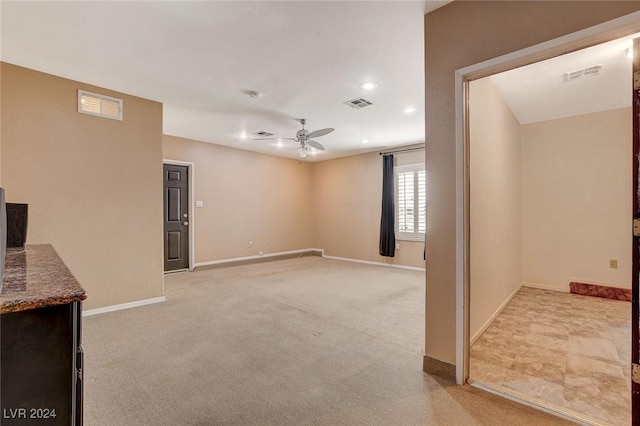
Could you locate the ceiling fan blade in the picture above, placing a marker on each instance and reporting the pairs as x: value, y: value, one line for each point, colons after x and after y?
x: 273, y: 139
x: 320, y: 132
x: 315, y: 145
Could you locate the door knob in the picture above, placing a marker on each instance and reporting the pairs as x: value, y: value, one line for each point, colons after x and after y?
x: 185, y: 215
x: 185, y: 223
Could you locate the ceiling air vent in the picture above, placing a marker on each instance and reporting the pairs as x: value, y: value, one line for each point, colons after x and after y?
x: 265, y: 134
x: 99, y: 105
x: 358, y: 103
x: 585, y: 72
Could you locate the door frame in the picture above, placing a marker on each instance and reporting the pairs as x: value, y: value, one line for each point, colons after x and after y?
x: 192, y: 206
x: 601, y: 33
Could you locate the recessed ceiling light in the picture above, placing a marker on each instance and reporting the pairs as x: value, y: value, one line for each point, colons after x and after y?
x: 279, y: 144
x: 369, y: 85
x: 242, y: 135
x: 364, y: 140
x: 410, y: 110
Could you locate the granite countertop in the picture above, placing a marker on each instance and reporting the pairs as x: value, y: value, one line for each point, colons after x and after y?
x: 36, y: 277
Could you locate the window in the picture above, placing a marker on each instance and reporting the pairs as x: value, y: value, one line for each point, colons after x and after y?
x: 411, y: 202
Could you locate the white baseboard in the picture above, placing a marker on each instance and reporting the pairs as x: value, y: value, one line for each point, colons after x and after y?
x: 493, y: 317
x: 122, y: 306
x: 369, y: 262
x: 232, y: 260
x: 564, y: 289
x: 257, y: 256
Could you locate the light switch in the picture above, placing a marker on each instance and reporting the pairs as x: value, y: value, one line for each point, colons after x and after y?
x: 199, y: 204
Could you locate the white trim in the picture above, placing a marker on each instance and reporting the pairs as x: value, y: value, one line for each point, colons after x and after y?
x: 547, y: 407
x: 369, y: 262
x: 257, y: 256
x: 546, y: 287
x: 493, y: 317
x: 192, y: 207
x: 122, y: 306
x: 302, y: 251
x: 610, y: 30
x: 415, y: 169
x: 462, y: 349
x: 598, y: 34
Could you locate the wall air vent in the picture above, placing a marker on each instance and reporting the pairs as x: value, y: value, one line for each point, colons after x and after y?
x: 585, y: 72
x: 99, y: 105
x: 265, y: 134
x: 358, y: 103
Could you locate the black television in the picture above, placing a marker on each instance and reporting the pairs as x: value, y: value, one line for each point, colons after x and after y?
x: 16, y: 225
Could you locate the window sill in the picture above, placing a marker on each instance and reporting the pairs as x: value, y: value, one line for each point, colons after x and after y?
x: 410, y: 239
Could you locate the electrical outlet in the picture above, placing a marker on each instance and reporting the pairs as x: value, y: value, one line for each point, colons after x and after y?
x: 268, y: 241
x: 260, y: 253
x: 250, y: 244
x: 613, y: 263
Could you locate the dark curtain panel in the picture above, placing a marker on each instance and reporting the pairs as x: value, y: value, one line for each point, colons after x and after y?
x: 387, y: 221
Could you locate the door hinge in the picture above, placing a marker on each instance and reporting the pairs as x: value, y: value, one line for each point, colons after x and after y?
x: 636, y: 227
x: 635, y: 373
x: 636, y: 80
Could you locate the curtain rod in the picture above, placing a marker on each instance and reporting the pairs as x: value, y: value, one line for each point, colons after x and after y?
x: 402, y: 150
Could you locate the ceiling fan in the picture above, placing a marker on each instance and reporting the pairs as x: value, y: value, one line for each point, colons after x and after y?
x: 303, y: 137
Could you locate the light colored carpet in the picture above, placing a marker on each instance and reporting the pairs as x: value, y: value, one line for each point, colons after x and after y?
x: 307, y: 341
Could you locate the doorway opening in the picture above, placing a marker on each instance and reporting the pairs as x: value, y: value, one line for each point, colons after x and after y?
x: 178, y: 216
x: 523, y: 173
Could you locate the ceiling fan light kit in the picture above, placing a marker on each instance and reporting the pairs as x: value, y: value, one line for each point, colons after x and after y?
x: 303, y: 137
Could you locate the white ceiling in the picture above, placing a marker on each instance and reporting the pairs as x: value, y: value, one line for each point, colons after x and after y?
x: 200, y: 59
x: 538, y: 92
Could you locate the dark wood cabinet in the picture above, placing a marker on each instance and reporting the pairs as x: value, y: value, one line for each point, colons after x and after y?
x: 41, y: 362
x: 41, y: 356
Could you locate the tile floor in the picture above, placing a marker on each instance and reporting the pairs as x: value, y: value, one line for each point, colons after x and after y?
x: 568, y: 350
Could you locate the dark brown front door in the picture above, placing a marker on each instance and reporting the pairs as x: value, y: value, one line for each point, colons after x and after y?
x: 176, y: 217
x: 635, y: 278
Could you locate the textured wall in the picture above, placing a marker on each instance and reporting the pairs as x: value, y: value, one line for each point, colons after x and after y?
x: 577, y: 182
x: 246, y: 197
x: 461, y: 34
x: 495, y: 250
x: 93, y: 185
x: 347, y: 200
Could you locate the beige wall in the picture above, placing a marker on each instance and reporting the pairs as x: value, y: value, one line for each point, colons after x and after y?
x: 495, y: 252
x: 576, y: 200
x: 460, y: 34
x: 294, y: 204
x: 347, y: 198
x: 93, y: 185
x: 549, y: 201
x: 247, y: 197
